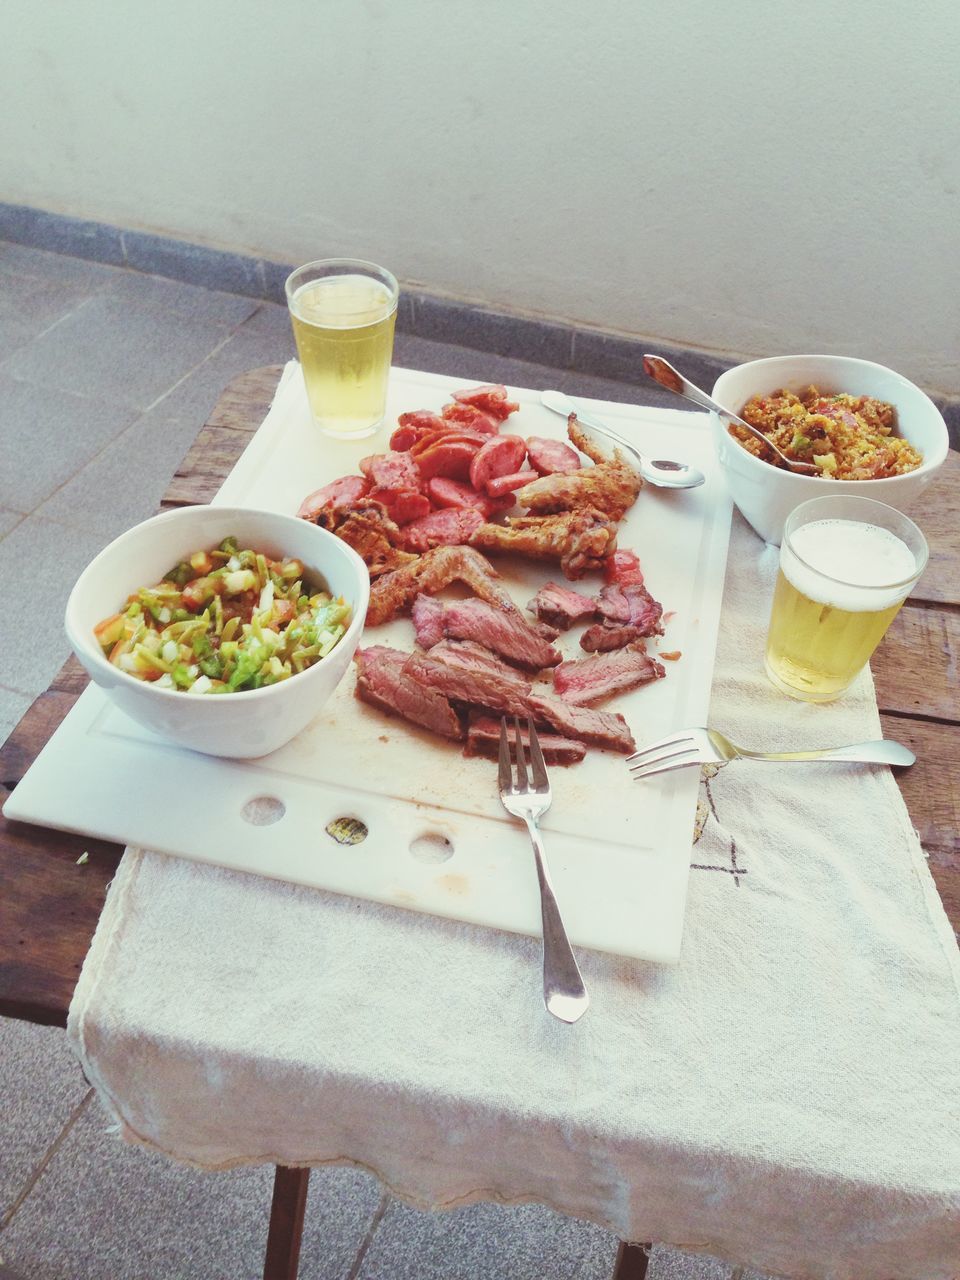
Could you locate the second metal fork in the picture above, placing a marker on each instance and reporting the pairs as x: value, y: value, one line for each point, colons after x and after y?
x: 564, y: 994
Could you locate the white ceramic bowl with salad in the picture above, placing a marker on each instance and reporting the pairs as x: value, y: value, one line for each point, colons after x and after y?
x: 767, y: 494
x: 233, y: 654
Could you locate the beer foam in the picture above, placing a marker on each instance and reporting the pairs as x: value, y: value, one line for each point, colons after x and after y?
x: 864, y: 557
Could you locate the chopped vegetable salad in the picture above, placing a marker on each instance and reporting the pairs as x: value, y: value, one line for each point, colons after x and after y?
x: 224, y: 621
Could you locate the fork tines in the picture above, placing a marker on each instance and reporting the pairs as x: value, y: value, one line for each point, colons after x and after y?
x: 676, y: 751
x: 537, y: 766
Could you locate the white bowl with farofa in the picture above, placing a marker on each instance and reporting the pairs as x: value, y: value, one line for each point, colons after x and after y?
x: 766, y: 494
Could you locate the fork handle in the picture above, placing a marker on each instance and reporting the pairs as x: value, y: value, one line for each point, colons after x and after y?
x: 564, y: 994
x: 883, y: 752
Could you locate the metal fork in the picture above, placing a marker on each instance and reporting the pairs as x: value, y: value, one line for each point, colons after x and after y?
x: 687, y: 747
x: 564, y: 994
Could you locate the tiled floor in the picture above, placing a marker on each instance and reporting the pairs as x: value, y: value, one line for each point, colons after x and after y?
x: 106, y: 376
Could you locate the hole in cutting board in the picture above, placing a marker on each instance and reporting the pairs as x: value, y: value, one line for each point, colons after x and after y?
x: 347, y: 830
x: 431, y: 846
x: 263, y: 811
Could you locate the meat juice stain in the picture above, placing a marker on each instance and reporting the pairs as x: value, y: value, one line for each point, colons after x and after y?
x: 454, y: 884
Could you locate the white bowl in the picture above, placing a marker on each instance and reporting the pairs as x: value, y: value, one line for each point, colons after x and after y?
x: 240, y: 725
x: 766, y: 494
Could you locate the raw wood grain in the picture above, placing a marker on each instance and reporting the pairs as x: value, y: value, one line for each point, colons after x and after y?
x: 49, y: 906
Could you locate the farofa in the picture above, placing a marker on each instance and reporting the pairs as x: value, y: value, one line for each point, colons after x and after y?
x: 847, y: 437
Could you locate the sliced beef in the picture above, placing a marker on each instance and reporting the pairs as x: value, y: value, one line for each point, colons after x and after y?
x: 603, y: 637
x: 381, y: 681
x: 472, y: 657
x: 508, y: 634
x: 476, y: 684
x: 427, y: 615
x: 483, y: 739
x: 560, y: 607
x: 604, y: 674
x: 630, y: 604
x: 595, y: 728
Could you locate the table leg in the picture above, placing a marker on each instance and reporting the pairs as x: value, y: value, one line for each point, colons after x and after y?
x: 631, y: 1263
x: 286, y: 1223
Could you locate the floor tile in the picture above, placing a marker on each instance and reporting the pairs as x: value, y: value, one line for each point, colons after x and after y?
x: 13, y: 707
x: 56, y: 557
x: 112, y: 348
x: 8, y: 520
x: 126, y: 482
x: 46, y: 433
x: 41, y: 1084
x: 56, y: 267
x: 487, y: 1242
x: 672, y: 1264
x: 104, y: 1209
x: 156, y: 293
x: 29, y: 306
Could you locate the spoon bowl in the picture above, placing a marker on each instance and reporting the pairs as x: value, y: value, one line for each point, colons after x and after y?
x: 660, y: 472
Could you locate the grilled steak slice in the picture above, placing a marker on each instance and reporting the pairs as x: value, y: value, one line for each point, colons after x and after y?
x: 560, y: 607
x: 394, y: 592
x: 508, y: 634
x: 427, y: 614
x: 604, y: 674
x: 474, y: 683
x: 595, y: 728
x: 604, y: 636
x: 470, y: 656
x: 381, y: 681
x: 630, y: 604
x: 483, y: 739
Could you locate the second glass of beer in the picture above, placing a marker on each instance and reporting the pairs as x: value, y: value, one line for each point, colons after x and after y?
x: 343, y: 312
x: 846, y: 566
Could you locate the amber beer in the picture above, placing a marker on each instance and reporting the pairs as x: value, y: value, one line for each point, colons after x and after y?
x: 343, y: 313
x: 840, y: 584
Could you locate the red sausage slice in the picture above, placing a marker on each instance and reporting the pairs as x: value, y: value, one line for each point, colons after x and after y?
x: 500, y: 456
x: 447, y: 458
x: 491, y: 398
x: 393, y: 471
x: 551, y: 457
x: 403, y: 505
x: 442, y: 528
x: 447, y: 436
x: 454, y: 493
x: 470, y: 416
x: 500, y: 485
x: 336, y: 494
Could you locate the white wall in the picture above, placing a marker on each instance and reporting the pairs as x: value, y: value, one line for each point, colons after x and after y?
x: 751, y: 178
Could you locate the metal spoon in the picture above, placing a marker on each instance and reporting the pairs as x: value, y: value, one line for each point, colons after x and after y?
x: 667, y: 376
x: 660, y: 472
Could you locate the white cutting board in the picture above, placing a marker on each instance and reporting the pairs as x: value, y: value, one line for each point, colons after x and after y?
x: 619, y: 850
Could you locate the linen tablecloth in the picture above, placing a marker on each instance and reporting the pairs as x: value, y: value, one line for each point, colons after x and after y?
x: 786, y: 1097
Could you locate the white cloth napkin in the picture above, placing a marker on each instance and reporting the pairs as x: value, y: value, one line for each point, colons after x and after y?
x: 786, y: 1097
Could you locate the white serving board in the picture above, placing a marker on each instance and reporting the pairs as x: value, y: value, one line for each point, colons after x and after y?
x: 619, y: 850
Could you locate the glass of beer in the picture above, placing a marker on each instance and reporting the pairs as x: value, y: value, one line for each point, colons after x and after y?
x: 343, y: 313
x: 846, y: 566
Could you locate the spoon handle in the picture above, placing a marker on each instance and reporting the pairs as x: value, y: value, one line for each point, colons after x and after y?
x: 671, y: 379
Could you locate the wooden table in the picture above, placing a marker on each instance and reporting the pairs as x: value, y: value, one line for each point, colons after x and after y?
x: 49, y: 906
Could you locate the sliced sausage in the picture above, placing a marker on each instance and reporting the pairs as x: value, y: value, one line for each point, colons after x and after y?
x: 402, y: 504
x: 500, y: 456
x: 551, y: 457
x: 338, y: 493
x: 491, y: 398
x: 445, y: 492
x: 442, y: 528
x: 447, y: 458
x: 470, y: 416
x: 394, y: 470
x: 497, y: 486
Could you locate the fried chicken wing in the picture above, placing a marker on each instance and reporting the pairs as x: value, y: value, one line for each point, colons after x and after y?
x: 395, y: 592
x: 611, y: 486
x: 371, y: 533
x: 581, y: 540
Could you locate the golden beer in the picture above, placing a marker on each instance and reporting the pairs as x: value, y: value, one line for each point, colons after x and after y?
x: 343, y: 325
x: 840, y: 585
